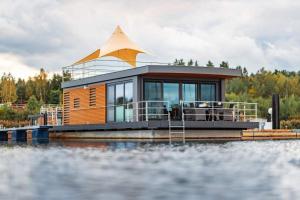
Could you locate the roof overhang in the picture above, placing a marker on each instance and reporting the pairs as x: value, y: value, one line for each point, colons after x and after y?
x: 159, y: 71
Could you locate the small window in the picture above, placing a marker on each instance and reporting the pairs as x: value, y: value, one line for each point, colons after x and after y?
x: 92, y: 97
x: 76, y: 102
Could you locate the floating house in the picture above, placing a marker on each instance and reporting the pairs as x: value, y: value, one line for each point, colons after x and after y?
x: 158, y: 98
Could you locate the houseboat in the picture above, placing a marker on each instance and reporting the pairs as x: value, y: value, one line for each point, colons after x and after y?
x: 124, y: 98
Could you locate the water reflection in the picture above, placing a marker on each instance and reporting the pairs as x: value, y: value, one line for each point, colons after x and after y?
x: 90, y: 169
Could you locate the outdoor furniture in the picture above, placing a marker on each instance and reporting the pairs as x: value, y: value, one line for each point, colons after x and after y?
x: 189, y: 114
x: 202, y: 113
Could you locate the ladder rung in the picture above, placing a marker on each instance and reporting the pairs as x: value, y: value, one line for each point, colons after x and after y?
x: 177, y: 132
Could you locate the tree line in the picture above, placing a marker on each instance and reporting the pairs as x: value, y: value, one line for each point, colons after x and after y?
x: 46, y: 90
x: 258, y: 88
x: 255, y: 87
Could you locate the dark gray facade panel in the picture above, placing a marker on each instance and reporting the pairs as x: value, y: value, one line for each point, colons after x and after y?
x: 162, y: 69
x: 223, y: 89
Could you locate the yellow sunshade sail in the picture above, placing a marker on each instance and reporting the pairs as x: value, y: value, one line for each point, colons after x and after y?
x: 90, y: 57
x: 118, y: 46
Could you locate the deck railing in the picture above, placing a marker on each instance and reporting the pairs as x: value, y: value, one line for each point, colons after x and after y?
x: 189, y: 111
x: 219, y: 111
x: 98, y: 67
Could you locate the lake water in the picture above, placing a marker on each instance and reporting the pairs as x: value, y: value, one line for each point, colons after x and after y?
x: 129, y: 170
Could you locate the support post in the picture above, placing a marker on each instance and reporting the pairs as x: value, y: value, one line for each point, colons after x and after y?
x: 275, y: 111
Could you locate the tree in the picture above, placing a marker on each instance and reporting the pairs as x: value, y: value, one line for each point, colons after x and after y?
x: 41, y: 86
x: 224, y: 64
x: 245, y: 72
x: 33, y: 105
x: 30, y: 88
x: 21, y: 90
x: 181, y: 62
x: 190, y: 63
x: 8, y: 89
x: 54, y: 97
x: 209, y: 64
x: 196, y: 63
x: 55, y: 82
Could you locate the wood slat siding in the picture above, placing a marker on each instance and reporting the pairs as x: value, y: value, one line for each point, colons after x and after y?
x: 87, y: 113
x: 66, y: 105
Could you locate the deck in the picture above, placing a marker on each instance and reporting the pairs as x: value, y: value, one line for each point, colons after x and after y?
x: 155, y: 125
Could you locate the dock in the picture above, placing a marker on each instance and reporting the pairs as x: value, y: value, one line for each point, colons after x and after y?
x: 22, y: 134
x: 271, y: 134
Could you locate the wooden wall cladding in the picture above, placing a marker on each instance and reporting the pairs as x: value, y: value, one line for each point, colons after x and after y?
x: 87, y: 112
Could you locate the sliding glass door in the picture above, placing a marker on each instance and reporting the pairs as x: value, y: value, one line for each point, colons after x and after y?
x: 119, y: 102
x: 171, y: 95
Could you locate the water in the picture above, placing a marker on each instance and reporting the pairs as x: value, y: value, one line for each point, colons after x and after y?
x: 129, y: 170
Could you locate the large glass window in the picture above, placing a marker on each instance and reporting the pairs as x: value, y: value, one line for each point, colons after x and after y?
x: 120, y: 102
x: 128, y: 101
x: 153, y: 91
x: 110, y: 103
x: 208, y: 92
x: 189, y: 92
x: 119, y: 97
x: 171, y: 94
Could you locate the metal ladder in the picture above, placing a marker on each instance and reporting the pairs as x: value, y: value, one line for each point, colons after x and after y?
x: 176, y: 127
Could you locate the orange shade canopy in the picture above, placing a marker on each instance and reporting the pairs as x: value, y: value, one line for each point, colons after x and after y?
x: 118, y: 46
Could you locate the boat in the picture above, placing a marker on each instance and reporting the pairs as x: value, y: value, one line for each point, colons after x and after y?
x: 131, y: 99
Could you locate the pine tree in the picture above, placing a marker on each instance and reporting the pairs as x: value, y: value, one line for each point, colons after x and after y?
x: 209, y: 64
x: 224, y: 64
x: 196, y: 63
x: 190, y: 63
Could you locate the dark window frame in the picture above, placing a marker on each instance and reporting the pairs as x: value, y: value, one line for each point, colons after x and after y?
x: 197, y: 82
x: 114, y: 105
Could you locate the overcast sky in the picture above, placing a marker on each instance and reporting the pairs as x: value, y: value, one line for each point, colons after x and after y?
x: 55, y: 33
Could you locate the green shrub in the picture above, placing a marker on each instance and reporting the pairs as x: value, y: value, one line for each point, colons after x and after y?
x: 290, y: 124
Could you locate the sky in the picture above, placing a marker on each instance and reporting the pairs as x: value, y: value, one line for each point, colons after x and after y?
x: 56, y: 33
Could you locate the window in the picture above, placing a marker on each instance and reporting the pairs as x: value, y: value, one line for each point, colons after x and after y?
x: 76, y: 102
x: 189, y: 92
x: 128, y: 92
x: 128, y: 101
x: 120, y: 102
x: 171, y: 94
x: 119, y: 97
x: 153, y: 91
x: 208, y: 92
x: 110, y: 103
x: 92, y: 97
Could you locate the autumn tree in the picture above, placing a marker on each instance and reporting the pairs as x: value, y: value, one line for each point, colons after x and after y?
x: 8, y: 92
x: 41, y: 86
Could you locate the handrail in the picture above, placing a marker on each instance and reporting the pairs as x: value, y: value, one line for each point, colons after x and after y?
x: 103, y: 66
x: 239, y: 110
x: 149, y: 110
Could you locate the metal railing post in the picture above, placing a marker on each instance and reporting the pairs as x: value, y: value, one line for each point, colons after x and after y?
x: 244, y: 112
x: 137, y: 111
x: 213, y: 112
x: 147, y: 111
x: 255, y: 111
x: 126, y: 110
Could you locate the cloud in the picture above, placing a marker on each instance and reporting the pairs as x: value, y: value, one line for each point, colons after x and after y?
x: 52, y: 34
x: 14, y: 65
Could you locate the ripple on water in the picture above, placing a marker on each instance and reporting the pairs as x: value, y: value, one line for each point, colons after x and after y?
x: 232, y: 170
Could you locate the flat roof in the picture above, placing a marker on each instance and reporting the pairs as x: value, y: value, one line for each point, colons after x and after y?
x: 169, y: 70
